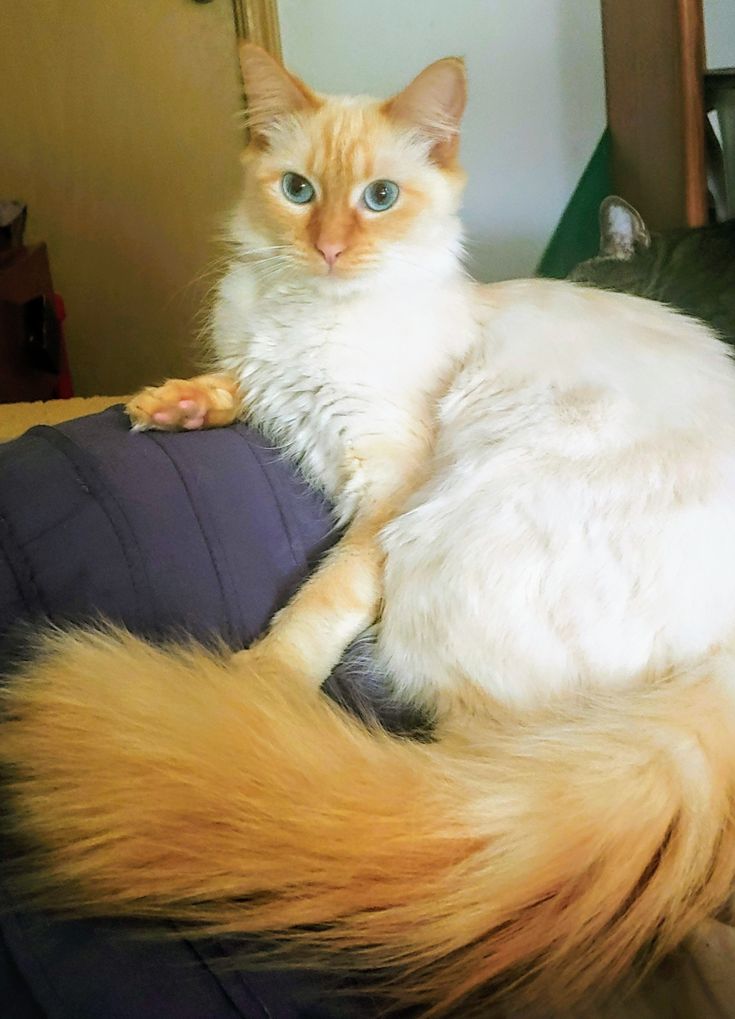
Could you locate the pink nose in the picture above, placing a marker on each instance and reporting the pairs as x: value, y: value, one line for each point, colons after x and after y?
x: 331, y: 250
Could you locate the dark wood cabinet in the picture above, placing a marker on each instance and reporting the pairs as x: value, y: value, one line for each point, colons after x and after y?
x: 30, y: 337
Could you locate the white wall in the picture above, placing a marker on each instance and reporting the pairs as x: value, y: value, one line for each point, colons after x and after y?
x: 719, y: 31
x: 536, y: 108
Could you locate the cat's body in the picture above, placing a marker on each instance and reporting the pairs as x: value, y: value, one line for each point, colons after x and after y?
x: 543, y: 402
x: 549, y: 472
x: 323, y: 377
x: 580, y: 472
x: 689, y: 269
x: 565, y: 391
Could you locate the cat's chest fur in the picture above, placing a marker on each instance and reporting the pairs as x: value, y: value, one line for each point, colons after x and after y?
x: 326, y: 375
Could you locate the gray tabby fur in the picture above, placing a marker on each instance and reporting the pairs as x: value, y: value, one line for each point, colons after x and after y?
x: 691, y: 269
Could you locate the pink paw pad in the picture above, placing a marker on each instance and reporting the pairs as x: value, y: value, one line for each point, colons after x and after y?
x: 163, y: 417
x: 193, y: 415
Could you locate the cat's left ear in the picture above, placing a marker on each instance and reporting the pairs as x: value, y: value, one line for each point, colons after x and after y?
x: 271, y: 91
x: 433, y: 104
x: 622, y: 230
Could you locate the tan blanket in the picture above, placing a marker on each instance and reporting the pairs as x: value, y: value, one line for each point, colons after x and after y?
x: 16, y: 418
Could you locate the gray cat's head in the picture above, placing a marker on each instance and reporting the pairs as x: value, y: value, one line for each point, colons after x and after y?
x: 625, y: 257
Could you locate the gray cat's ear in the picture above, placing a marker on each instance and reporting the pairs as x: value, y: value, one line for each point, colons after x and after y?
x: 272, y: 92
x: 433, y: 104
x: 622, y: 230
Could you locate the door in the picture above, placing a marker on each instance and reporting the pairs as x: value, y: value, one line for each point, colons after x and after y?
x: 120, y: 127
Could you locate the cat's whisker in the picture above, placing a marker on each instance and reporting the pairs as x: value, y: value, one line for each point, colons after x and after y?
x: 268, y: 247
x: 214, y: 267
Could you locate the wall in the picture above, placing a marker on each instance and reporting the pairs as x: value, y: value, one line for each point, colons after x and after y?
x: 536, y: 109
x: 719, y: 30
x: 118, y: 127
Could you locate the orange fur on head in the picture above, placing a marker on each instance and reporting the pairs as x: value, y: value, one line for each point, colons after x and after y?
x: 272, y: 92
x: 433, y: 104
x: 340, y: 146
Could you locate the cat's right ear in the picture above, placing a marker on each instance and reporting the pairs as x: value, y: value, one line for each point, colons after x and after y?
x: 271, y: 91
x: 622, y: 230
x: 433, y: 105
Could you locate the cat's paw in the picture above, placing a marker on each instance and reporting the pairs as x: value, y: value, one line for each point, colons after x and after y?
x: 185, y: 405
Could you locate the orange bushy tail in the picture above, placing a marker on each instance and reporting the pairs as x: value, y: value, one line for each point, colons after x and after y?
x: 544, y: 853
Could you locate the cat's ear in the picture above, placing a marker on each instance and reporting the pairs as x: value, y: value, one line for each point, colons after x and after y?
x: 622, y: 230
x: 271, y: 91
x: 433, y: 104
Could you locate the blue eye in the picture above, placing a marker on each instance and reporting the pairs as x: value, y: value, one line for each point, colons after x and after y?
x: 297, y: 188
x: 380, y: 195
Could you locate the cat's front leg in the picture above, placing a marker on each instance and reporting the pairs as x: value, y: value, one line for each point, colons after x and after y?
x: 342, y: 597
x: 206, y: 401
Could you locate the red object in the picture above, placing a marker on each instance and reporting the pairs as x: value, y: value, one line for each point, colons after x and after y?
x: 33, y: 359
x: 65, y: 386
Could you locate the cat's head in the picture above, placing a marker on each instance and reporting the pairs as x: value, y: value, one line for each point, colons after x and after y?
x: 337, y: 190
x: 626, y: 258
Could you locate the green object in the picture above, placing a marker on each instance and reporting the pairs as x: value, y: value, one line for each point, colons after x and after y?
x: 577, y: 236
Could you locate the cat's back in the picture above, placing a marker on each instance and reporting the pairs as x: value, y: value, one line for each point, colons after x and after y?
x: 582, y: 504
x: 668, y: 369
x: 590, y: 320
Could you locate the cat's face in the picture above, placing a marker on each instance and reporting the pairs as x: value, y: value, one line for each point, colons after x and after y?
x: 340, y: 189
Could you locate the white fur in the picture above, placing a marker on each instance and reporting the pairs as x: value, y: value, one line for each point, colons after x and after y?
x: 578, y: 524
x: 334, y: 370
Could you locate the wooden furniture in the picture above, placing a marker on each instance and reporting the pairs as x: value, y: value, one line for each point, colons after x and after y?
x: 30, y: 339
x: 654, y: 75
x: 257, y: 20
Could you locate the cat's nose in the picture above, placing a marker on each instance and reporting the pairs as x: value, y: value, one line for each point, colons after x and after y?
x: 331, y: 250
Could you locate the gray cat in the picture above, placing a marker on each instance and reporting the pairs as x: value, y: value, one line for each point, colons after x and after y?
x: 692, y: 269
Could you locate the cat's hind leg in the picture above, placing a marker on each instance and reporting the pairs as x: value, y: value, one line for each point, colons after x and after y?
x: 206, y: 401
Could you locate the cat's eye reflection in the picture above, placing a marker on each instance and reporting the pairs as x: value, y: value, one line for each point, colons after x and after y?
x: 297, y: 188
x: 381, y: 195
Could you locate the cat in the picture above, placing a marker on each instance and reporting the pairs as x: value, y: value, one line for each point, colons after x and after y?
x: 690, y: 269
x: 538, y: 480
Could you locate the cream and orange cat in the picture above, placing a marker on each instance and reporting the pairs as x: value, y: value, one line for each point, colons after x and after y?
x: 546, y: 475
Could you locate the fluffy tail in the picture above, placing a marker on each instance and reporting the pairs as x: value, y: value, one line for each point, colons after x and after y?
x: 544, y: 853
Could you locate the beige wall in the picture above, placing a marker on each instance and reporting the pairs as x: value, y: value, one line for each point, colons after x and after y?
x: 119, y: 128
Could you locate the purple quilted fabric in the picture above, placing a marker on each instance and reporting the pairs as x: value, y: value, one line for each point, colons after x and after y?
x: 204, y: 533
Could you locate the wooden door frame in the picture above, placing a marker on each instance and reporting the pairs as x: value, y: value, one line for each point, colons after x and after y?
x: 654, y: 73
x: 257, y: 20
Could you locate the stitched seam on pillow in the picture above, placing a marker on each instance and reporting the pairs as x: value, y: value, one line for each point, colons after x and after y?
x: 218, y: 562
x: 16, y: 920
x: 56, y: 524
x: 90, y: 478
x: 292, y: 538
x: 252, y: 995
x: 30, y: 990
x: 21, y: 568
